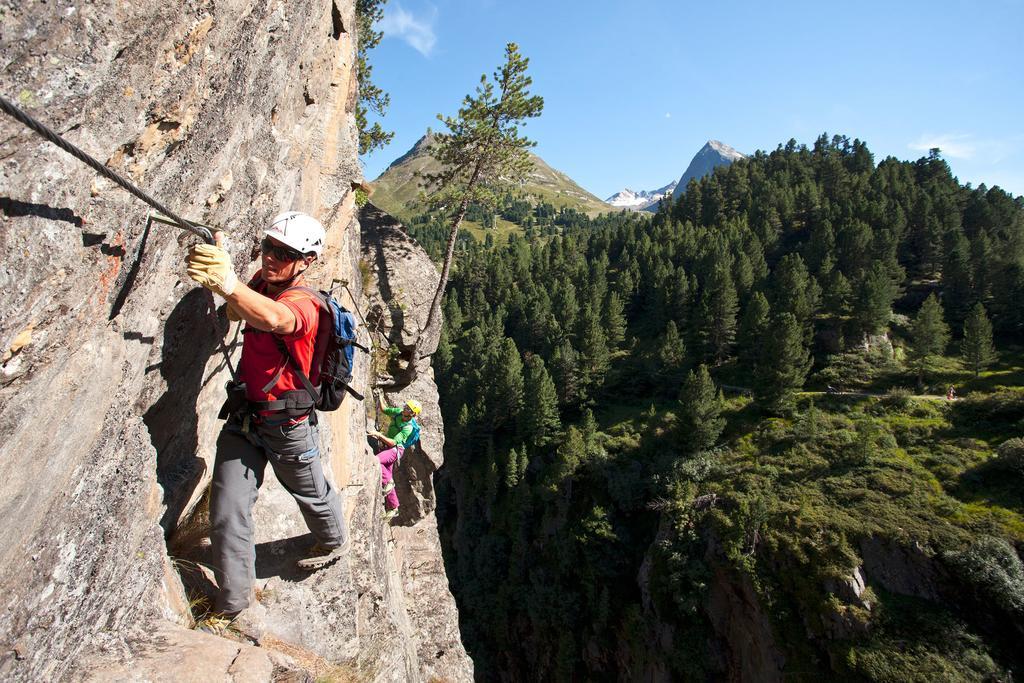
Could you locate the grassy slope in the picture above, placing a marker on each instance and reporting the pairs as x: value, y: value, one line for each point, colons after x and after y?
x: 397, y: 189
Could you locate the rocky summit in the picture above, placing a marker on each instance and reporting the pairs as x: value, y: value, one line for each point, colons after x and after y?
x: 115, y: 362
x: 710, y: 156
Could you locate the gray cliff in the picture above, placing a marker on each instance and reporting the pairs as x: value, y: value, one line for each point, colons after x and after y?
x: 115, y: 362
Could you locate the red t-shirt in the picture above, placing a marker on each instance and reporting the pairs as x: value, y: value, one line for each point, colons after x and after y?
x: 261, y: 359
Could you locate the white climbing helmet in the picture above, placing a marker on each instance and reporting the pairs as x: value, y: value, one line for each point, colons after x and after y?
x: 299, y: 231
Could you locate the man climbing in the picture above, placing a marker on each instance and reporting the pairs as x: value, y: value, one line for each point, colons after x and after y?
x: 402, y: 433
x: 270, y: 417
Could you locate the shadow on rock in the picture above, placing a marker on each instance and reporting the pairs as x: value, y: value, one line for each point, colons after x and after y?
x: 414, y: 481
x: 277, y: 558
x: 172, y: 421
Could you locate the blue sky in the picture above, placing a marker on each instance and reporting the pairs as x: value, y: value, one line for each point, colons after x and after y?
x: 633, y: 90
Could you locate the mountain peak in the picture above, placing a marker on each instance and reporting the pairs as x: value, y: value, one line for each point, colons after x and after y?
x: 722, y: 149
x: 420, y: 148
x: 714, y: 153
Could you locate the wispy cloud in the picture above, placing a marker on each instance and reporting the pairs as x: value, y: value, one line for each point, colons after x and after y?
x: 969, y: 147
x: 954, y: 146
x: 668, y: 115
x: 416, y: 31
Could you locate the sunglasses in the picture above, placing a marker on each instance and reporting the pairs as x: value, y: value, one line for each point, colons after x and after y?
x: 279, y: 252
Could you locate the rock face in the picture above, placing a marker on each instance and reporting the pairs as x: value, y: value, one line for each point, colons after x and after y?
x: 743, y: 629
x: 405, y: 280
x: 116, y: 362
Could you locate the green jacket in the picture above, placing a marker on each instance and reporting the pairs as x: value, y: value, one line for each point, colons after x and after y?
x: 399, y: 430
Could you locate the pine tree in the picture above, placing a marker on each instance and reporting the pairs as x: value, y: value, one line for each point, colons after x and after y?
x: 700, y: 418
x: 565, y: 305
x: 718, y: 306
x: 524, y: 463
x: 752, y: 330
x: 570, y: 453
x: 976, y: 347
x: 679, y: 298
x: 614, y: 321
x: 459, y: 450
x: 795, y: 291
x: 784, y: 365
x: 504, y: 382
x: 671, y: 359
x: 565, y: 370
x: 594, y: 356
x: 511, y: 470
x: 539, y: 421
x: 453, y: 318
x: 1008, y: 292
x: 482, y: 151
x: 981, y: 265
x: 929, y: 334
x: 838, y: 293
x: 957, y: 281
x: 371, y: 97
x: 588, y: 426
x: 873, y: 307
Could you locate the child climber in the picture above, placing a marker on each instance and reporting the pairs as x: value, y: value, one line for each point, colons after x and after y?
x: 402, y: 433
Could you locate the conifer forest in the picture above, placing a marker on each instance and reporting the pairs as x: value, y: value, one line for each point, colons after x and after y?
x: 799, y: 388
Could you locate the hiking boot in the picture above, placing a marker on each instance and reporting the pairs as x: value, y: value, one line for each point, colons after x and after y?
x: 389, y: 488
x: 319, y: 556
x: 389, y: 514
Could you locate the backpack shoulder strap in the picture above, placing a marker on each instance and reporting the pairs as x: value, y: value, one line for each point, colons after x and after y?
x: 306, y: 384
x: 319, y: 297
x: 283, y: 348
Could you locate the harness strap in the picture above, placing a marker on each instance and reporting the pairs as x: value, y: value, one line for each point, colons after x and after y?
x: 280, y: 370
x: 306, y: 384
x: 293, y: 401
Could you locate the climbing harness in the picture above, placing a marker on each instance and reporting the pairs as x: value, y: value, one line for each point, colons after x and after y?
x: 41, y: 129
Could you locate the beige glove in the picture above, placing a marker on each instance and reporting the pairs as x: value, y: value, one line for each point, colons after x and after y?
x: 210, y: 266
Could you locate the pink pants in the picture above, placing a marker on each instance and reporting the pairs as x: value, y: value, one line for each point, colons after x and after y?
x: 388, y: 459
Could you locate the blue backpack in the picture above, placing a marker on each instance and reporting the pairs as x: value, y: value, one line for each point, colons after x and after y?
x: 338, y: 356
x: 414, y: 435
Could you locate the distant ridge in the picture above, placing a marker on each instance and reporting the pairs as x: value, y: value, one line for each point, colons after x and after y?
x: 397, y: 189
x: 638, y: 201
x: 710, y: 156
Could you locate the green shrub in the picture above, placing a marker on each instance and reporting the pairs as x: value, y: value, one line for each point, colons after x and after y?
x: 897, y: 399
x: 989, y: 411
x: 872, y: 439
x: 1010, y: 456
x: 994, y: 572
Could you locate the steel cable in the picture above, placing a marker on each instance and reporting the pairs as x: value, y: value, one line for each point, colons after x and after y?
x: 41, y: 129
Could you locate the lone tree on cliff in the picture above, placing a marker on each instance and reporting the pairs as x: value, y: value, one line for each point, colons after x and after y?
x: 482, y: 153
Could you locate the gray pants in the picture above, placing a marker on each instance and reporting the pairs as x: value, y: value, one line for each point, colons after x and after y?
x: 294, y: 453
